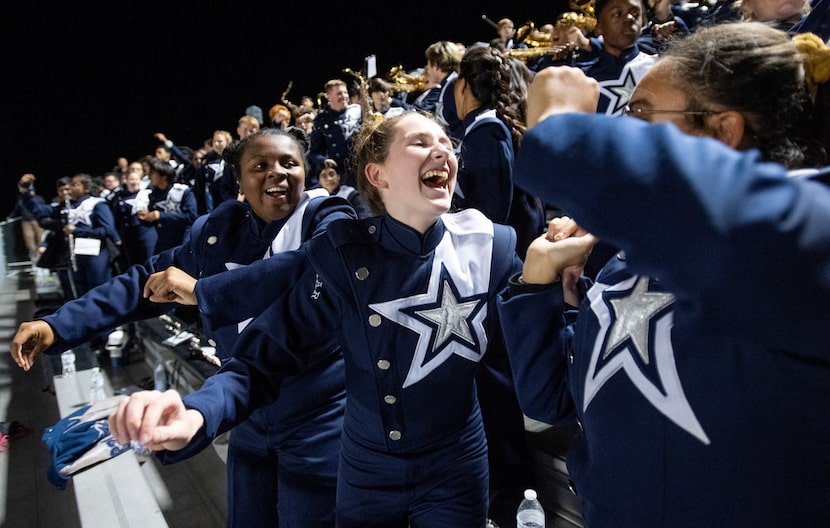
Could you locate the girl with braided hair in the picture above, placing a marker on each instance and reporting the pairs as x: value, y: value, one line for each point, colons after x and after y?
x: 490, y: 97
x: 490, y: 100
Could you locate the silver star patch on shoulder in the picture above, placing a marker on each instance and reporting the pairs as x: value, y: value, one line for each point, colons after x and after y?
x: 635, y: 338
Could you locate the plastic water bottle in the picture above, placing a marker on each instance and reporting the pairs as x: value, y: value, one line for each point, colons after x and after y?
x: 96, y: 386
x: 68, y: 363
x: 159, y: 377
x: 530, y: 513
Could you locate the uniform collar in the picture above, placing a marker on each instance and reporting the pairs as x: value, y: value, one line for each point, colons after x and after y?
x: 410, y: 239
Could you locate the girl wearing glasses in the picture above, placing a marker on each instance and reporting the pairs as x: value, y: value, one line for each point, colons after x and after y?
x: 697, y: 365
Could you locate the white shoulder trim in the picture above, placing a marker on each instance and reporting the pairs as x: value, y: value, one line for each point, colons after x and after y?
x: 466, y: 222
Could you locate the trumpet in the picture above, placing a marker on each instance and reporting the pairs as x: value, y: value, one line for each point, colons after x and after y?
x: 405, y: 82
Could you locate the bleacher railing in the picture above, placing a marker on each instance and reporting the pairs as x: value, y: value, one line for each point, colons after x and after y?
x: 13, y: 253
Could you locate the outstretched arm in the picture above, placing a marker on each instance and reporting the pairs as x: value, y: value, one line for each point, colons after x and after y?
x: 171, y: 285
x: 31, y: 339
x: 156, y: 420
x: 724, y: 231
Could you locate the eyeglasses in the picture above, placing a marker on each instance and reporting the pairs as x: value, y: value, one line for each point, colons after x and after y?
x: 640, y: 112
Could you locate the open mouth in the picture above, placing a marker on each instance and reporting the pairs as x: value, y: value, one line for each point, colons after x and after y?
x: 276, y: 191
x: 436, y: 179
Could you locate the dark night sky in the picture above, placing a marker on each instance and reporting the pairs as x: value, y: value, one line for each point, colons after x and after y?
x: 82, y: 85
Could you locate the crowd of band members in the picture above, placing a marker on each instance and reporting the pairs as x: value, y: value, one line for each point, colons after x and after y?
x: 148, y: 206
x: 153, y: 200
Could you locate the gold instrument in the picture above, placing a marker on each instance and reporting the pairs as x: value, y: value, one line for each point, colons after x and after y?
x: 585, y: 7
x: 284, y: 98
x: 583, y: 21
x: 405, y: 82
x: 532, y: 37
x: 525, y: 54
x: 367, y: 108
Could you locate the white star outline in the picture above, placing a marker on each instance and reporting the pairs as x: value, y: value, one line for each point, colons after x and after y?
x: 606, y: 360
x: 140, y: 202
x: 241, y: 325
x: 451, y: 318
x: 82, y: 213
x: 418, y: 312
x: 619, y: 90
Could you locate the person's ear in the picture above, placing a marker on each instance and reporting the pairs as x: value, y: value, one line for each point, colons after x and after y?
x: 376, y: 176
x: 728, y: 127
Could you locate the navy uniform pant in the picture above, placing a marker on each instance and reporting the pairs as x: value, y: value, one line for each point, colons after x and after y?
x: 281, y: 480
x: 446, y: 487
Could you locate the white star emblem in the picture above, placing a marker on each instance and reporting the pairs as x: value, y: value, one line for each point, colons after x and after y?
x: 618, y: 91
x: 635, y: 337
x: 448, y: 317
x: 140, y: 202
x: 239, y: 326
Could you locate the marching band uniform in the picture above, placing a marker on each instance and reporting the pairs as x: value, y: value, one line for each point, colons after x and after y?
x: 297, y: 438
x: 485, y: 178
x: 138, y: 239
x: 93, y: 219
x: 617, y: 76
x: 177, y: 206
x: 414, y: 314
x: 332, y: 139
x: 698, y: 365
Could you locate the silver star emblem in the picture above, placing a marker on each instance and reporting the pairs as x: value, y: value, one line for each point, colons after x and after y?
x: 640, y: 306
x: 449, y: 317
x: 636, y: 335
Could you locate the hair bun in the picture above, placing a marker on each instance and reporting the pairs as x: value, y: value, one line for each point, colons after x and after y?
x: 816, y: 56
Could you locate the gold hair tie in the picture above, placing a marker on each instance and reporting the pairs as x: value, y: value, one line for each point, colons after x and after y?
x: 816, y: 57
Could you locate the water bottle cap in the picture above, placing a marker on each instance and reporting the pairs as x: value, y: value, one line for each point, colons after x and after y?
x: 530, y: 494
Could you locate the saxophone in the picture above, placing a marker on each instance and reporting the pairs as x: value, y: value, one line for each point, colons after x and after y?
x: 367, y: 109
x: 525, y: 54
x: 404, y: 82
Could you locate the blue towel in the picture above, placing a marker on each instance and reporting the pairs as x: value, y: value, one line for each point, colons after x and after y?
x: 81, y: 440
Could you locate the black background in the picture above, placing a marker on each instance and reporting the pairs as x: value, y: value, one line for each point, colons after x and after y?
x: 84, y: 84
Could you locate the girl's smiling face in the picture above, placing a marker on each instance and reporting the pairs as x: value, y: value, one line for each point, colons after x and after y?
x: 417, y: 179
x: 272, y: 176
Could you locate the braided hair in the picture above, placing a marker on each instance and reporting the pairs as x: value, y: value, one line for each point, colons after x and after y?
x: 498, y: 82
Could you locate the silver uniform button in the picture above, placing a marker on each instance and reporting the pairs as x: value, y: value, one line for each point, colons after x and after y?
x: 212, y: 239
x: 372, y: 229
x: 384, y: 364
x: 375, y: 320
x: 211, y: 342
x: 390, y: 399
x: 361, y: 274
x: 394, y: 435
